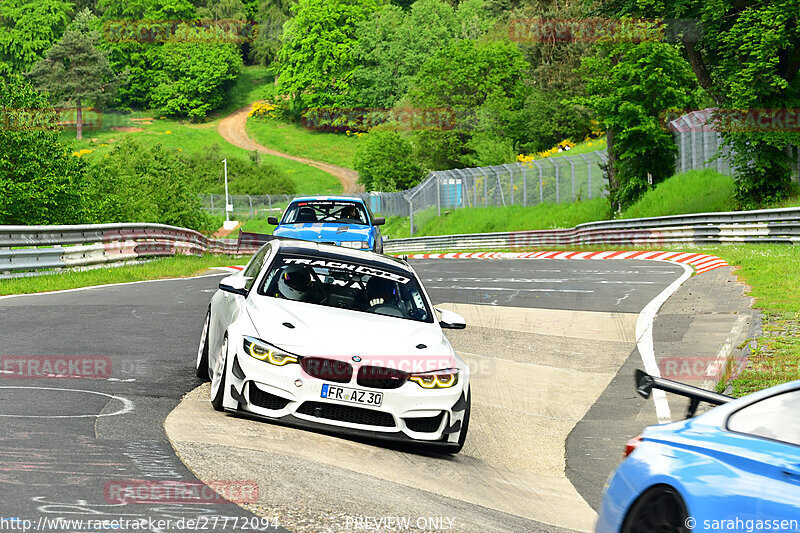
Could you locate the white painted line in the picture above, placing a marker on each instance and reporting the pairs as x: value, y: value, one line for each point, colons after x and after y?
x: 713, y: 370
x: 644, y: 341
x: 108, y: 285
x: 127, y: 405
x: 454, y: 287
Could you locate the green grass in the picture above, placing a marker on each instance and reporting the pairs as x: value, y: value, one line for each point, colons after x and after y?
x: 395, y: 227
x: 335, y: 148
x: 696, y: 191
x: 170, y: 267
x: 307, y: 179
x: 258, y: 225
x: 509, y: 218
x: 771, y: 272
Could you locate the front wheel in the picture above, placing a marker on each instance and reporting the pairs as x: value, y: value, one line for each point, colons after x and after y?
x: 218, y: 377
x: 201, y: 367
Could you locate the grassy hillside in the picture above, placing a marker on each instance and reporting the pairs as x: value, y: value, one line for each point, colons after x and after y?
x: 196, y: 138
x: 335, y: 148
x: 696, y: 191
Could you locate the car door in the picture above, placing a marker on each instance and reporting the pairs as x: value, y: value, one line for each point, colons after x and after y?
x: 773, y: 426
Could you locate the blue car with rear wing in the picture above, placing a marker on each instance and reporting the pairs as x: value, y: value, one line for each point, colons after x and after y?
x: 339, y: 220
x: 735, y: 468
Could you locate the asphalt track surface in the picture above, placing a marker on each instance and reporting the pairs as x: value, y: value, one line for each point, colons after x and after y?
x: 64, y: 440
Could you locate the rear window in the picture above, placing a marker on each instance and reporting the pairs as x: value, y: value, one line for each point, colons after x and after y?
x: 346, y: 285
x: 334, y: 211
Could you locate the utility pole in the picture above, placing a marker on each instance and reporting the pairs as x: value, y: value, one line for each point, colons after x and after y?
x: 228, y: 205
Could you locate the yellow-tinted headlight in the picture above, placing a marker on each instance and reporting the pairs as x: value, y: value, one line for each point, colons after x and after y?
x: 438, y: 379
x: 264, y: 352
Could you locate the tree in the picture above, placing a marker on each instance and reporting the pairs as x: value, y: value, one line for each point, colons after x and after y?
x: 136, y: 54
x: 385, y: 161
x: 392, y: 46
x: 75, y: 70
x: 271, y: 16
x: 28, y: 28
x: 630, y: 86
x: 480, y: 84
x: 316, y: 61
x: 747, y: 57
x: 197, y: 68
x: 40, y: 180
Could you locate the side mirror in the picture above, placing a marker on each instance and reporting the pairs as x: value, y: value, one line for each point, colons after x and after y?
x: 234, y: 284
x: 272, y: 220
x: 450, y: 320
x: 378, y: 221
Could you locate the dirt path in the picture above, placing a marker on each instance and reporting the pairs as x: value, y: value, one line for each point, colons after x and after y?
x: 232, y: 129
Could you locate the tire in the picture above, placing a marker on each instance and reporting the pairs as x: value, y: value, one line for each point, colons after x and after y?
x: 218, y: 377
x: 659, y: 510
x: 201, y: 367
x: 462, y: 436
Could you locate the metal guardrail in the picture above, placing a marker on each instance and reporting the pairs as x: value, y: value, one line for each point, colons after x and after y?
x: 31, y: 248
x: 761, y: 226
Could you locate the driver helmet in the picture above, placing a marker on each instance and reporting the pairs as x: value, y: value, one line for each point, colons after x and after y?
x: 350, y: 212
x: 380, y: 291
x: 294, y: 282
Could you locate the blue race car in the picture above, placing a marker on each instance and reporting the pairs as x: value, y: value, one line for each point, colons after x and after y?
x: 342, y: 221
x: 735, y: 468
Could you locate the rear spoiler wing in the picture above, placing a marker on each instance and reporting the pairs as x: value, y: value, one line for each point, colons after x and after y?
x: 645, y: 383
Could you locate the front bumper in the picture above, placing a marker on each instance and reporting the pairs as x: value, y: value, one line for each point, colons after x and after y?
x: 406, y: 414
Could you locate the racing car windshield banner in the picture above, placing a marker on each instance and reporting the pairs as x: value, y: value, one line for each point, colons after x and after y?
x: 351, y: 267
x: 327, y: 203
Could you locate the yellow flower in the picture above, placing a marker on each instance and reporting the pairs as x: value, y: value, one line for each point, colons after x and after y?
x: 168, y: 132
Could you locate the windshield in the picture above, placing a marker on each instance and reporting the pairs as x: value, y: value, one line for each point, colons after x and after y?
x: 345, y: 285
x: 336, y: 211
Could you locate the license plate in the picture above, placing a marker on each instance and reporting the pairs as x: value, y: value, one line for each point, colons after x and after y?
x: 344, y: 394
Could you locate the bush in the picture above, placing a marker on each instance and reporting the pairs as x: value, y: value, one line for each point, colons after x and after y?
x: 245, y: 176
x: 141, y: 183
x: 385, y: 161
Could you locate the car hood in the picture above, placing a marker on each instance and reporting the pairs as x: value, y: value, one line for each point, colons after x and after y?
x: 324, y: 232
x: 327, y: 331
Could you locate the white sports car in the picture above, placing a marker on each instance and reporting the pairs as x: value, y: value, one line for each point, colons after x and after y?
x: 335, y: 339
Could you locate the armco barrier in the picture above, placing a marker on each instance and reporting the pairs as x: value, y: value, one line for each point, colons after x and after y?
x: 30, y: 248
x: 761, y: 226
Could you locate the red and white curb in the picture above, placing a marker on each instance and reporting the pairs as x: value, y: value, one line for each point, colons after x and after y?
x: 231, y: 269
x: 700, y: 262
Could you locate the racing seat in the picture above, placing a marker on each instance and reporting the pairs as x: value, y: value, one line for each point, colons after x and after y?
x: 306, y: 214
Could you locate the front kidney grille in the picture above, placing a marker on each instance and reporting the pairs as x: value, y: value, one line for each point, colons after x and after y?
x: 327, y: 369
x: 379, y: 377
